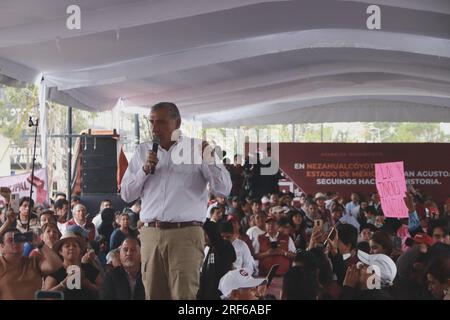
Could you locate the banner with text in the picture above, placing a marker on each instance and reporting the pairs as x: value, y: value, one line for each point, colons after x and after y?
x: 20, y: 185
x: 348, y: 167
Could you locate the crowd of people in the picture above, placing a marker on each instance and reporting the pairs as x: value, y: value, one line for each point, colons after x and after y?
x: 323, y: 247
x: 174, y: 242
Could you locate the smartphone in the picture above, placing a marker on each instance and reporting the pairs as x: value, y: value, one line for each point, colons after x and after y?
x: 272, y: 272
x: 318, y: 223
x: 49, y: 295
x: 23, y: 237
x: 14, y: 202
x: 331, y: 236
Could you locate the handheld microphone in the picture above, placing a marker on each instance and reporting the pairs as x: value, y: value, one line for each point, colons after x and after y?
x: 155, y: 150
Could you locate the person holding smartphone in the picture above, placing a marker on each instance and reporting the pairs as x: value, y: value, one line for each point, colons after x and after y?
x: 21, y: 277
x: 272, y: 248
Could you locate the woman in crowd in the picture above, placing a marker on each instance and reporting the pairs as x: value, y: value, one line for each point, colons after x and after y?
x: 381, y: 242
x: 71, y: 248
x: 298, y: 229
x: 50, y: 234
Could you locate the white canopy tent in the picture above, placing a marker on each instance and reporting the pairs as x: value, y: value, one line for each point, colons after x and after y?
x: 237, y: 62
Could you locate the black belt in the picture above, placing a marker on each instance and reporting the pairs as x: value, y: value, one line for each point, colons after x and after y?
x: 172, y: 225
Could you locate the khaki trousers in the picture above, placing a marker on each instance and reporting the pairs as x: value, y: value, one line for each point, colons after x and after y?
x: 171, y: 262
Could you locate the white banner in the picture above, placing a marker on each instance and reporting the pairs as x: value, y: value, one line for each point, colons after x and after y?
x: 20, y: 185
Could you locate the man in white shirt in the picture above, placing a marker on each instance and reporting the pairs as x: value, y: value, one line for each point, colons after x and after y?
x: 172, y: 185
x: 258, y: 228
x: 97, y: 220
x: 352, y: 207
x: 61, y: 209
x: 244, y: 259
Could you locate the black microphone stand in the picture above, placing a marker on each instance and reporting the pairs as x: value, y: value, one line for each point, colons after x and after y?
x: 36, y: 125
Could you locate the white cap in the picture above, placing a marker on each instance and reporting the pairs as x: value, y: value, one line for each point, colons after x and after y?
x: 320, y: 195
x: 238, y: 279
x: 388, y: 269
x: 277, y: 209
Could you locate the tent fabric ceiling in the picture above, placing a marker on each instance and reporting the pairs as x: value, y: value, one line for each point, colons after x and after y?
x: 237, y: 62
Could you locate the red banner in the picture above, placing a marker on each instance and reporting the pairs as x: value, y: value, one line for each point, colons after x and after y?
x: 348, y: 167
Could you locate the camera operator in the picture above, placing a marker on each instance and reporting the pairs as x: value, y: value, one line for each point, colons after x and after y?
x: 237, y: 176
x: 21, y: 277
x: 265, y: 183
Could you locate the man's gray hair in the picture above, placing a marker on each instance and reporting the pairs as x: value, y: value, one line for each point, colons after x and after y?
x: 110, y: 256
x: 174, y: 113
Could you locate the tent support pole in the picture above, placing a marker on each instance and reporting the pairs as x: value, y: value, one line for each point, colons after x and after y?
x: 69, y: 157
x: 321, y: 132
x: 136, y: 129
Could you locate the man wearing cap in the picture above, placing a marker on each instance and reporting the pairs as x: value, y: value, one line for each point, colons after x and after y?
x: 239, y: 285
x: 370, y: 278
x: 273, y: 248
x: 172, y: 185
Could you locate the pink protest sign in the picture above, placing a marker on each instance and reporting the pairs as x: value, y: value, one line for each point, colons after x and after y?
x: 391, y: 186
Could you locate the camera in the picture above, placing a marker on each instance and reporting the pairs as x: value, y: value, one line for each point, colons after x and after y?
x: 23, y: 237
x: 274, y: 244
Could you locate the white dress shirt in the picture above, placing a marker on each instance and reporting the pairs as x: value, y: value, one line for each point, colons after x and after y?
x: 254, y: 232
x: 244, y: 257
x: 176, y: 192
x: 352, y: 208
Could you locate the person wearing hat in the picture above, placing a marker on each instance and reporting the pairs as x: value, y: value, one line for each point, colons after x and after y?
x: 239, y: 285
x: 273, y: 248
x: 71, y: 248
x: 320, y: 200
x: 370, y: 278
x: 265, y: 203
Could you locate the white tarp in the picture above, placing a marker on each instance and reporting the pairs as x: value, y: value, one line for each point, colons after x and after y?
x: 237, y: 62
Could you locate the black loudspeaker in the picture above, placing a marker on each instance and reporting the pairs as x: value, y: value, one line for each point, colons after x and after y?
x: 98, y: 165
